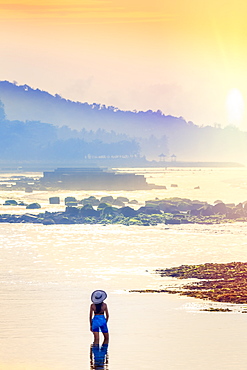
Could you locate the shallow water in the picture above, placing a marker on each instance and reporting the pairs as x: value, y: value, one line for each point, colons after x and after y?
x: 226, y: 184
x: 48, y: 273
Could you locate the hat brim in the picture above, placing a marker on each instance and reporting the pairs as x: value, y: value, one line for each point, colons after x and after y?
x: 98, y: 300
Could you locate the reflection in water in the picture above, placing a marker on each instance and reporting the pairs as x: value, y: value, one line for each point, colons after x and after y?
x: 99, y: 357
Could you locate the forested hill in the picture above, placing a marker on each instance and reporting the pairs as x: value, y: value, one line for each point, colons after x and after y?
x: 37, y: 142
x: 24, y: 103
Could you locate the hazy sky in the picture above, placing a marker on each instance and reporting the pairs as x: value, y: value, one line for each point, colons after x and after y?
x: 185, y: 57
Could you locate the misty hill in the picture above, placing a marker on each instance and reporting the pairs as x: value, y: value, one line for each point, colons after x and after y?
x: 24, y: 103
x: 140, y: 133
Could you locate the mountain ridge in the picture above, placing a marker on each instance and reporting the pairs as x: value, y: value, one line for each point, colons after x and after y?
x: 151, y: 134
x: 25, y: 103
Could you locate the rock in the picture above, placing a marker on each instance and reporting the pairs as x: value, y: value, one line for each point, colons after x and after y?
x: 127, y: 211
x: 220, y: 208
x: 173, y: 221
x: 236, y: 212
x: 54, y: 200
x: 102, y: 206
x: 194, y: 212
x: 196, y: 204
x: 167, y: 207
x: 239, y: 212
x: 174, y: 185
x: 71, y: 204
x: 88, y: 211
x: 66, y: 221
x: 197, y: 187
x: 239, y: 206
x: 230, y: 205
x: 152, y: 204
x: 206, y: 210
x: 48, y: 221
x: 184, y: 205
x: 134, y: 221
x: 27, y: 217
x: 218, y: 201
x: 149, y: 211
x: 134, y: 201
x: 10, y: 202
x: 56, y: 216
x: 230, y: 212
x: 123, y: 199
x: 70, y: 199
x: 109, y: 199
x: 90, y: 200
x: 13, y: 219
x: 118, y: 203
x: 175, y: 204
x: 33, y: 206
x: 109, y: 211
x: 3, y: 218
x: 72, y: 211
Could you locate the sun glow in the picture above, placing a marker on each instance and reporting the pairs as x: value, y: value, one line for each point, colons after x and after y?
x: 235, y: 107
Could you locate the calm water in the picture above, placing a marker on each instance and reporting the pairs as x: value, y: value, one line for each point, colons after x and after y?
x: 48, y: 272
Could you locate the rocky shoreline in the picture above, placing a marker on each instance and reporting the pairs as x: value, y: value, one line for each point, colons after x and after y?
x: 115, y: 211
x: 221, y: 282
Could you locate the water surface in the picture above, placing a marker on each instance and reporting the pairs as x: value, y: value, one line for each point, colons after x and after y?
x: 48, y: 273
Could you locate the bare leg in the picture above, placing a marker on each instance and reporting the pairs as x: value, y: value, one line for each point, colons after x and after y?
x: 106, y: 338
x: 91, y: 357
x: 96, y: 337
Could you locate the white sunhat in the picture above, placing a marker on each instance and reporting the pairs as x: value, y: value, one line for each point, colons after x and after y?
x: 98, y: 296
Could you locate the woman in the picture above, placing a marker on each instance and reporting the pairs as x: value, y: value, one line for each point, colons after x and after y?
x: 98, y: 322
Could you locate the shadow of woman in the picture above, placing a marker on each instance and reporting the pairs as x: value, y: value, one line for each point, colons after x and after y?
x: 99, y: 357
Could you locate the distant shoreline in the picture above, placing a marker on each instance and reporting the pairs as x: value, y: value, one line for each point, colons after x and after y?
x: 32, y: 167
x: 198, y: 164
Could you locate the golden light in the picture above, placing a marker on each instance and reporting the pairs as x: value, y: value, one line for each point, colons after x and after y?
x: 235, y: 107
